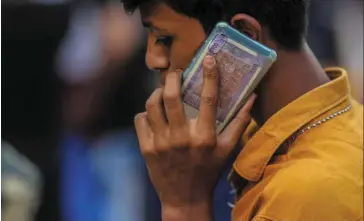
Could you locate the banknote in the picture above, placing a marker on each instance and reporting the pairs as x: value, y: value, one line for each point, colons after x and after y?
x: 240, y: 68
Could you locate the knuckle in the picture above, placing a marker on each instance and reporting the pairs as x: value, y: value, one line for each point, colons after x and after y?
x: 154, y: 100
x: 209, y: 100
x: 161, y: 145
x: 179, y: 141
x: 170, y: 98
x: 226, y: 143
x: 244, y: 118
x: 179, y: 136
x: 151, y: 122
x: 211, y: 73
x: 206, y: 140
x: 174, y: 74
x: 147, y: 151
x: 150, y: 104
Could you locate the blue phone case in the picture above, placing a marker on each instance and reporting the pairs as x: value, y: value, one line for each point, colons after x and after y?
x: 225, y: 29
x: 242, y: 63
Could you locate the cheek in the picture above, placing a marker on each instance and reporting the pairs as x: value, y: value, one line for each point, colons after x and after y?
x: 181, y: 56
x: 157, y: 57
x: 184, y: 49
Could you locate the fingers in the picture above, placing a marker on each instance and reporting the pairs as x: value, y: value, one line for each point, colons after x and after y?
x: 155, y: 115
x: 143, y: 130
x: 173, y: 101
x: 235, y: 129
x: 209, y: 95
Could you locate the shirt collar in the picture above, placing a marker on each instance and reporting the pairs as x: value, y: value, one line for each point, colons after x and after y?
x: 258, y: 151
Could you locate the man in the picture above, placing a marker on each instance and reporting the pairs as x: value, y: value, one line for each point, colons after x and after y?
x: 304, y: 162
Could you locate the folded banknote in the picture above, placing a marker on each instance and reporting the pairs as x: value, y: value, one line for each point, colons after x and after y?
x: 242, y: 63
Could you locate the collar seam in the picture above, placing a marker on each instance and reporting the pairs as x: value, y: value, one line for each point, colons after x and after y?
x: 256, y: 176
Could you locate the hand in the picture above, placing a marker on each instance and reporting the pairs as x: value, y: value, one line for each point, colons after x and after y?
x: 185, y: 157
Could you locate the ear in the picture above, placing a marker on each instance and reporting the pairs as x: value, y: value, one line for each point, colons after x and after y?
x: 247, y: 25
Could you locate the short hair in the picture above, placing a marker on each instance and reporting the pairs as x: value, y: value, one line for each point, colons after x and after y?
x: 286, y: 20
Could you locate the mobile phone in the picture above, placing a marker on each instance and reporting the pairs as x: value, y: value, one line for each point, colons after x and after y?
x: 242, y: 63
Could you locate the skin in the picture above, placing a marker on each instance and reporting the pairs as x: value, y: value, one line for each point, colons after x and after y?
x: 185, y: 157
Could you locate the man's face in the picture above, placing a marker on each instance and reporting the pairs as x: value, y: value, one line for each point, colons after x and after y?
x: 173, y: 39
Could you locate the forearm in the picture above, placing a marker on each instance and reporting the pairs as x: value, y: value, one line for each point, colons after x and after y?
x: 192, y: 212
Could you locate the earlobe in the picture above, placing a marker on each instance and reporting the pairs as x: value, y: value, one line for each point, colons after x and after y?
x: 247, y: 25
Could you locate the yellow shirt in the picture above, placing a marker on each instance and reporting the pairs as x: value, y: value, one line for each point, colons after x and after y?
x: 317, y: 178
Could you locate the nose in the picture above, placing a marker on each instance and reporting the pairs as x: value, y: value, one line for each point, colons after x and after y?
x: 157, y: 56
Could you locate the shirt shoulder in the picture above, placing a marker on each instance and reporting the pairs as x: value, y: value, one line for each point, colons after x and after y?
x: 305, y: 190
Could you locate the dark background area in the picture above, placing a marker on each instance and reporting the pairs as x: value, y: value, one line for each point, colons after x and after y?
x: 30, y: 89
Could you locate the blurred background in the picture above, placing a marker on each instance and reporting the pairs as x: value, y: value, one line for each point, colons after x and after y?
x: 73, y: 77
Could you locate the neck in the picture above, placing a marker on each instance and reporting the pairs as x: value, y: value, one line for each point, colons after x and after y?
x: 293, y: 75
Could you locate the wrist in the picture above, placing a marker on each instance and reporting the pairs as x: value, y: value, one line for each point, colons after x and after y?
x: 199, y: 211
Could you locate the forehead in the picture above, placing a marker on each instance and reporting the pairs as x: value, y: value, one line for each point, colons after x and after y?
x: 162, y: 15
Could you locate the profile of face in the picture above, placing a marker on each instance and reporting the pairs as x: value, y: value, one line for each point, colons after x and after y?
x: 174, y: 38
x: 171, y: 45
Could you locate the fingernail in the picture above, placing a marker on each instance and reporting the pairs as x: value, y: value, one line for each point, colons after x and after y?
x: 253, y: 97
x: 179, y: 71
x: 137, y: 116
x: 209, y: 61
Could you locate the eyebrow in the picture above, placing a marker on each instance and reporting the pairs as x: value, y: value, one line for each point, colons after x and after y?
x: 149, y: 25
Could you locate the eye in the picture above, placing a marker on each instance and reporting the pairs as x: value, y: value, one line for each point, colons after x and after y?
x: 165, y: 40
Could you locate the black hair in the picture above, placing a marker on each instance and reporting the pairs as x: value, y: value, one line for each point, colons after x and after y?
x: 286, y: 20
